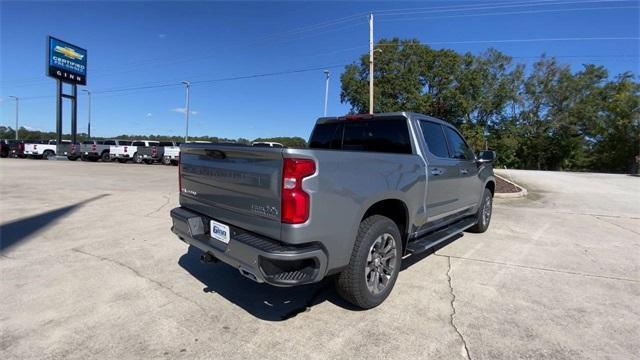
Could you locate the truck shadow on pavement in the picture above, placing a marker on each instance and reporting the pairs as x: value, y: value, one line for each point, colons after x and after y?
x: 19, y: 230
x: 268, y: 302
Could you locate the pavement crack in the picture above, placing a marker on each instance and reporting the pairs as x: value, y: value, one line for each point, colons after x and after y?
x: 541, y: 268
x: 611, y: 223
x: 166, y: 202
x: 453, y: 310
x: 139, y: 274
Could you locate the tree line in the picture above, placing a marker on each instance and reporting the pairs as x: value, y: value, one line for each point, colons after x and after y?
x: 544, y: 117
x: 25, y: 134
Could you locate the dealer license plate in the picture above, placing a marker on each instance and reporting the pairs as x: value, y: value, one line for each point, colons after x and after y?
x: 220, y: 231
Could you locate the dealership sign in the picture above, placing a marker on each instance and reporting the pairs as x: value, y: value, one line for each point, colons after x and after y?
x: 67, y: 62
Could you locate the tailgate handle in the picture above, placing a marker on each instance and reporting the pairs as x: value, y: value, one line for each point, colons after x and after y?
x: 216, y: 154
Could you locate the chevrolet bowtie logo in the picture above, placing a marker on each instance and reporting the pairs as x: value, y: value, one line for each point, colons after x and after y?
x: 68, y: 52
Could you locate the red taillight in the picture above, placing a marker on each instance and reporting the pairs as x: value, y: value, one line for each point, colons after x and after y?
x: 35, y: 146
x: 295, y: 202
x: 154, y: 151
x: 93, y: 147
x: 73, y: 147
x: 125, y: 149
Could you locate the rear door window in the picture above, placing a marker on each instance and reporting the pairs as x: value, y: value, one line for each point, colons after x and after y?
x: 434, y: 137
x: 109, y: 142
x: 387, y: 136
x: 138, y: 143
x: 327, y: 136
x: 457, y: 146
x: 166, y: 143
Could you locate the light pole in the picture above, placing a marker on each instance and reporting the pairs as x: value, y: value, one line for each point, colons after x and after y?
x: 371, y: 63
x: 186, y: 112
x: 17, y: 112
x: 326, y: 91
x: 88, y: 113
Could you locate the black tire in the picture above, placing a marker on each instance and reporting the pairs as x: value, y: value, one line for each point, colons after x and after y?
x: 354, y: 284
x: 92, y: 159
x: 166, y: 160
x: 137, y: 158
x: 105, y: 157
x: 148, y: 162
x: 48, y: 154
x: 122, y: 161
x: 484, y: 213
x: 72, y: 158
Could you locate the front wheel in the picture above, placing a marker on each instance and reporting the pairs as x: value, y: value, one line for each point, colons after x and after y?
x: 137, y: 158
x: 484, y: 213
x: 166, y: 160
x: 374, y: 265
x: 105, y: 157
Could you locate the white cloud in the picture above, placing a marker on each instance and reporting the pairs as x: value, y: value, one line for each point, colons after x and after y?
x: 149, y: 115
x: 182, y: 110
x: 30, y: 128
x: 162, y: 36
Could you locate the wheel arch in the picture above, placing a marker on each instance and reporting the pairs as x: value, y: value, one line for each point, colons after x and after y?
x: 394, y: 209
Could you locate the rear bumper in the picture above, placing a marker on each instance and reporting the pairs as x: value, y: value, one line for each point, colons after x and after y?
x: 258, y: 258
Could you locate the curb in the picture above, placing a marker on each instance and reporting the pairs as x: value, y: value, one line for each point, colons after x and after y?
x: 522, y: 193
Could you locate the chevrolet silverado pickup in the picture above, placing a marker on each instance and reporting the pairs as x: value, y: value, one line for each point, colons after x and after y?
x: 43, y: 149
x: 368, y: 190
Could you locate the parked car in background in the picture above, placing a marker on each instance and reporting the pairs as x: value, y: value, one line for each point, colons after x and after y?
x: 122, y: 151
x: 4, y: 148
x: 367, y: 191
x: 146, y: 151
x: 94, y: 150
x: 16, y: 148
x: 171, y: 152
x: 72, y: 151
x: 42, y: 149
x: 267, y: 144
x: 150, y: 154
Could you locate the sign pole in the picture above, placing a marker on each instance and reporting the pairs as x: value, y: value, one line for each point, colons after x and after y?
x: 59, y: 111
x: 74, y: 113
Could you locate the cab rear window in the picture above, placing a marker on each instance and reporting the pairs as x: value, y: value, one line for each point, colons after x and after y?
x: 380, y: 135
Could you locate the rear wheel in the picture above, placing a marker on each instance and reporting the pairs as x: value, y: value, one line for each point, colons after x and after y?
x: 374, y: 265
x: 105, y: 157
x: 484, y: 213
x: 137, y: 158
x: 48, y: 155
x: 166, y: 160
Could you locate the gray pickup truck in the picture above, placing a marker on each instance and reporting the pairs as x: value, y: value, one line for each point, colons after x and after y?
x: 368, y: 190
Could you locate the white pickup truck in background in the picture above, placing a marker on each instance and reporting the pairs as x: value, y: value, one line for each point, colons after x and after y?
x: 41, y: 149
x: 122, y: 151
x: 171, y: 152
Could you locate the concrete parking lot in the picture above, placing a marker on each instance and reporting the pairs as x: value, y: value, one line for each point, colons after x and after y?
x: 89, y: 269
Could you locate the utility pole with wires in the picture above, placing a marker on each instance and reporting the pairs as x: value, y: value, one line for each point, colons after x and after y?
x: 371, y: 63
x: 326, y: 91
x: 186, y: 112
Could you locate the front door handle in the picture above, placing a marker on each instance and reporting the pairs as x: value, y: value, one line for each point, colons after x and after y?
x: 464, y: 171
x: 436, y: 171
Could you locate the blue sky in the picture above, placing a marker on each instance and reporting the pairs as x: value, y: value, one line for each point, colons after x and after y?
x: 138, y: 44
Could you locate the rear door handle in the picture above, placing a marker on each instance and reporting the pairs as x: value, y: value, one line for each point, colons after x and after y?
x: 436, y: 171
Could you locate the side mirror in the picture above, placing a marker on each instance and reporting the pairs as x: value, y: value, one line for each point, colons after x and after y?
x: 486, y: 156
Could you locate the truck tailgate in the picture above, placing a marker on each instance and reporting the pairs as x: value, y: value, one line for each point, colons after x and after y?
x: 235, y: 185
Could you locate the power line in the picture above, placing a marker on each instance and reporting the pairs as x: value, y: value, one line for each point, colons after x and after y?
x: 177, y: 84
x: 490, y: 7
x: 510, y: 13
